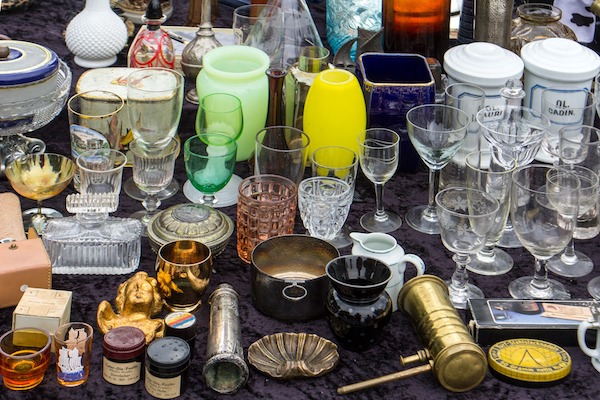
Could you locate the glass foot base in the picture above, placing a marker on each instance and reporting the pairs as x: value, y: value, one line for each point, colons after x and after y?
x: 143, y: 217
x: 509, y: 240
x: 226, y: 197
x: 135, y: 193
x: 371, y: 224
x: 521, y: 288
x: 31, y: 219
x: 499, y: 264
x: 459, y: 297
x: 593, y: 288
x: 416, y: 220
x: 582, y: 266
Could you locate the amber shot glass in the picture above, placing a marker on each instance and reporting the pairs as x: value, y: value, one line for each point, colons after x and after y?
x: 73, y: 344
x: 24, y: 357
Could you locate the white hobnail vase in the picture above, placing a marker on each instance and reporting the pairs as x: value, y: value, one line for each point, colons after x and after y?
x: 96, y: 35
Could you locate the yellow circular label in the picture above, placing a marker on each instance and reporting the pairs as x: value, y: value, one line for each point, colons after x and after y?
x: 530, y: 360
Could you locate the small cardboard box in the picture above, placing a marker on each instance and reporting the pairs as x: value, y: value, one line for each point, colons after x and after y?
x: 43, y: 308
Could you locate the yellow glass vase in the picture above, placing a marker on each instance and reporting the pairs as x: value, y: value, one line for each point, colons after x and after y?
x: 335, y: 111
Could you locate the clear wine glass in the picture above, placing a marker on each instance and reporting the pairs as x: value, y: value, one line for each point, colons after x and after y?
x: 436, y: 131
x: 324, y: 203
x: 579, y: 150
x: 514, y: 133
x: 154, y: 105
x: 342, y: 163
x: 260, y: 26
x: 544, y: 207
x: 466, y: 216
x: 209, y: 161
x: 218, y: 113
x: 487, y: 174
x: 379, y: 149
x: 152, y: 171
x: 40, y: 177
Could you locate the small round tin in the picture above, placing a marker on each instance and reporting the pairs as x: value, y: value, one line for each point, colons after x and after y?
x: 167, y: 367
x: 124, y: 349
x: 190, y: 221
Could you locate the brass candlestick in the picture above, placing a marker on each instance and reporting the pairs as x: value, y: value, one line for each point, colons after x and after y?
x: 457, y: 362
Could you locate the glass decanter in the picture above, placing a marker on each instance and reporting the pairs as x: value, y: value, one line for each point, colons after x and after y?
x: 91, y: 242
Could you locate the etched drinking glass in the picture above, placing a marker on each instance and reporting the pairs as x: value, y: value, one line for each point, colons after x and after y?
x: 436, y: 131
x: 544, y: 207
x: 379, y: 150
x: 324, y: 204
x: 487, y: 174
x: 152, y: 172
x: 466, y: 217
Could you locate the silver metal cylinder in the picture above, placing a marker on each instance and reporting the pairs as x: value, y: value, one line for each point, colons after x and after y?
x: 225, y: 370
x: 493, y: 21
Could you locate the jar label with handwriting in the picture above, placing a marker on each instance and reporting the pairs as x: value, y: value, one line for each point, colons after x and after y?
x: 126, y: 373
x: 163, y: 388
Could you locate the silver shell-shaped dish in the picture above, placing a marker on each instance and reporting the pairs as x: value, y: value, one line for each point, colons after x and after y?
x: 293, y: 355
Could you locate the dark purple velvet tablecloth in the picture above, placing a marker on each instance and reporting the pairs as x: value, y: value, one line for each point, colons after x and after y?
x: 44, y: 22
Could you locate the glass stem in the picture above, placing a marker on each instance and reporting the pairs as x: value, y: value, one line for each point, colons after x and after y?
x: 39, y: 207
x: 487, y: 254
x: 460, y: 277
x: 151, y: 204
x: 380, y: 214
x: 569, y: 256
x: 430, y: 213
x: 540, y: 275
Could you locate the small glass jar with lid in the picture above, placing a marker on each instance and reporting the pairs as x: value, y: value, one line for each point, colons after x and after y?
x: 536, y: 21
x: 124, y: 348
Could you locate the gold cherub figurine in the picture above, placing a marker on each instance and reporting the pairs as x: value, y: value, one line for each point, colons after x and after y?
x: 137, y: 300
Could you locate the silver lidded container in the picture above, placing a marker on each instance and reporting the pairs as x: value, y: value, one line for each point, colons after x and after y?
x: 225, y: 370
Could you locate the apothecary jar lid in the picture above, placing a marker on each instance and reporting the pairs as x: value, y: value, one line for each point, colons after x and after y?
x: 25, y: 62
x: 190, y: 221
x: 481, y: 63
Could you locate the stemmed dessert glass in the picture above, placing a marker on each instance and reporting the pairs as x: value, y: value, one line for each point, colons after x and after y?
x: 515, y: 134
x: 219, y: 113
x: 465, y: 218
x: 152, y: 172
x: 324, y: 203
x: 579, y: 151
x: 154, y: 105
x: 40, y: 177
x: 209, y: 161
x: 544, y: 207
x: 379, y: 149
x: 485, y: 173
x: 342, y: 163
x: 436, y: 131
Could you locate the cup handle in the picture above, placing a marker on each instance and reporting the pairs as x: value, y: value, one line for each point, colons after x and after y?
x: 293, y: 285
x: 581, y: 330
x: 416, y: 261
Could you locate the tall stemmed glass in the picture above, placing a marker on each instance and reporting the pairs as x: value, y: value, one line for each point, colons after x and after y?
x: 154, y: 104
x: 40, y: 177
x: 579, y: 150
x: 209, y: 161
x: 379, y: 149
x: 544, y: 207
x: 514, y: 133
x: 465, y: 218
x: 342, y: 163
x: 152, y: 171
x: 485, y: 173
x: 436, y: 131
x: 219, y: 113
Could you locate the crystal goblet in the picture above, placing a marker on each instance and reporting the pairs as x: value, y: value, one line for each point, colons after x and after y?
x: 379, y: 149
x: 579, y: 149
x: 219, y: 113
x: 342, y: 163
x: 209, y: 161
x: 40, y: 177
x: 154, y: 105
x: 485, y: 173
x: 544, y: 207
x: 466, y: 217
x: 517, y: 132
x: 436, y: 131
x: 152, y: 172
x: 324, y: 204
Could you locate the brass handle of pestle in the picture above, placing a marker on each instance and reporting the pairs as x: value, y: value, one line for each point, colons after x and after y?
x: 385, y: 378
